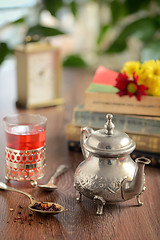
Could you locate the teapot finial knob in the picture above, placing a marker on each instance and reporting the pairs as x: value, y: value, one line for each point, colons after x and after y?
x: 109, y: 126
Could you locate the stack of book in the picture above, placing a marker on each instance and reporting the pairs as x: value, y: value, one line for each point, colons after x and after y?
x: 140, y: 120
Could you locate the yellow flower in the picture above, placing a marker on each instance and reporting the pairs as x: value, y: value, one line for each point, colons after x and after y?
x: 152, y: 67
x: 150, y: 77
x: 148, y: 73
x: 130, y: 67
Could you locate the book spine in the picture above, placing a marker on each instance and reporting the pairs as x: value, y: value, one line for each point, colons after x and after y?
x: 143, y: 142
x: 132, y: 124
x: 111, y: 102
x: 74, y: 146
x: 146, y: 142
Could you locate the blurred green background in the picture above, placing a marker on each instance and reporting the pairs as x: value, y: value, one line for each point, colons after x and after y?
x: 90, y: 32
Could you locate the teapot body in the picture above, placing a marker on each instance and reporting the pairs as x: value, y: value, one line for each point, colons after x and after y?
x: 103, y: 177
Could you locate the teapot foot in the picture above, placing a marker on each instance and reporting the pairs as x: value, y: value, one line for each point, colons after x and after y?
x: 138, y: 197
x: 79, y: 199
x: 100, y: 202
x: 139, y: 201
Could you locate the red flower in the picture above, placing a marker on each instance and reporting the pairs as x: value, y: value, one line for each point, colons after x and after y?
x: 130, y: 87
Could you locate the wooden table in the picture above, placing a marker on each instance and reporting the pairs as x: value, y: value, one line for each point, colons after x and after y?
x: 123, y: 221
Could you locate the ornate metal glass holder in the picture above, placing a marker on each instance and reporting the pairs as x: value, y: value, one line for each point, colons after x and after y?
x: 24, y: 132
x: 25, y: 165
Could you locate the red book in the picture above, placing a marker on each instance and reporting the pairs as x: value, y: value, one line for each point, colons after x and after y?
x: 104, y: 76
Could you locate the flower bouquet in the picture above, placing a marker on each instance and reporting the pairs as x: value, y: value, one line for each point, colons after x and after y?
x: 139, y: 79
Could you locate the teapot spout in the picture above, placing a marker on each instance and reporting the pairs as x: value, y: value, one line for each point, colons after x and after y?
x: 135, y: 187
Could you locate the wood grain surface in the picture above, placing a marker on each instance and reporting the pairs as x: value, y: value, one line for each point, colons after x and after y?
x: 124, y: 221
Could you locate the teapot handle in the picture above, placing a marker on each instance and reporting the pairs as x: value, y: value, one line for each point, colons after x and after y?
x: 85, y: 132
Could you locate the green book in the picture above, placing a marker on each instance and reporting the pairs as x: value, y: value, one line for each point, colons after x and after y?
x: 94, y: 87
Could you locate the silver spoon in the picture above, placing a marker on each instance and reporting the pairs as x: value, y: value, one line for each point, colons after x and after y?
x: 33, y: 204
x: 50, y: 186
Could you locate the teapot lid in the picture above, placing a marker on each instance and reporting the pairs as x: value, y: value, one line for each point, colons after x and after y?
x: 109, y: 141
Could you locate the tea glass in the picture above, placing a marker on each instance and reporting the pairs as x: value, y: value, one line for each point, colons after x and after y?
x: 25, y: 146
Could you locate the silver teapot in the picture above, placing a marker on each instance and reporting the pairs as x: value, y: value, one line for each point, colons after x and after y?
x: 108, y: 174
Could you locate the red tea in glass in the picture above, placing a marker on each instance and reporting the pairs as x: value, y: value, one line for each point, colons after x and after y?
x: 22, y: 138
x: 25, y: 146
